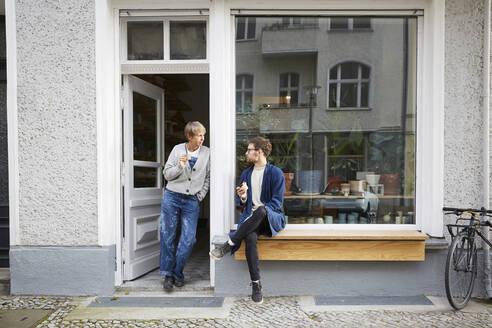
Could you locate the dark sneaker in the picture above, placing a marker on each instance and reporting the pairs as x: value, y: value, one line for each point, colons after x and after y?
x: 179, y: 283
x: 256, y: 295
x: 219, y: 251
x: 168, y: 283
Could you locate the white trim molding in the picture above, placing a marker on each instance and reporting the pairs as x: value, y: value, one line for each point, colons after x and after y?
x: 430, y: 121
x: 13, y: 151
x: 158, y: 68
x: 107, y: 141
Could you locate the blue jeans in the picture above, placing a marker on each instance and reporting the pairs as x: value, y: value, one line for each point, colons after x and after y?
x: 176, y: 206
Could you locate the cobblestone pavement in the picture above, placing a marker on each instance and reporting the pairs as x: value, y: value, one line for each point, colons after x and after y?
x: 274, y: 312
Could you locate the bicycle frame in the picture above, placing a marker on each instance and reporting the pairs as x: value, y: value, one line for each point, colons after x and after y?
x: 471, y: 229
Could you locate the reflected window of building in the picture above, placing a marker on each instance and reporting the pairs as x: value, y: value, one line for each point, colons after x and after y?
x: 349, y: 23
x: 289, y: 89
x: 244, y: 93
x: 349, y: 86
x: 299, y: 22
x: 246, y: 28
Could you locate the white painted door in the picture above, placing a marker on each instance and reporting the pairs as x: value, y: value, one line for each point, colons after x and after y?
x: 142, y: 181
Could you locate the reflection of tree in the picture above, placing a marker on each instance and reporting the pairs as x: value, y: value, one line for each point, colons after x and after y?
x: 346, y: 165
x: 284, y: 151
x: 386, y: 152
x: 345, y: 153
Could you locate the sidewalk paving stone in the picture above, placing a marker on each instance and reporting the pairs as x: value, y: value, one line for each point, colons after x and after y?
x: 274, y: 312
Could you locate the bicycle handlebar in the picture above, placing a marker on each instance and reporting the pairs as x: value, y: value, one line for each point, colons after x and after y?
x: 454, y: 209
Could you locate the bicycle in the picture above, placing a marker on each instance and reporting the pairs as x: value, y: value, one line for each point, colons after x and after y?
x: 461, y: 262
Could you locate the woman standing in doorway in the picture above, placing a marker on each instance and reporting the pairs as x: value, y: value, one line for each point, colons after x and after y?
x: 187, y: 171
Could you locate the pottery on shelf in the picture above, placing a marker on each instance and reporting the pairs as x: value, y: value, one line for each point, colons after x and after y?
x: 288, y: 182
x: 361, y: 175
x: 391, y: 182
x: 345, y: 188
x: 372, y: 179
x: 357, y: 186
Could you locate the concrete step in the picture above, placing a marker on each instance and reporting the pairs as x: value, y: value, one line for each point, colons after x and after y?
x: 126, y: 290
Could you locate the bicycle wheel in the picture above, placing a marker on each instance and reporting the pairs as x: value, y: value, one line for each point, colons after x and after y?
x: 461, y: 270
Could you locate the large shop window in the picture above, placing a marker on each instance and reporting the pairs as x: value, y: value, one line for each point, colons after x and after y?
x: 340, y: 111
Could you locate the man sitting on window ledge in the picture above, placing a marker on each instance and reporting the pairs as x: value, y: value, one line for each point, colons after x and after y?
x: 261, y: 190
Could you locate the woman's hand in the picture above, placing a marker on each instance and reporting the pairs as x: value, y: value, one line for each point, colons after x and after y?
x: 182, y: 160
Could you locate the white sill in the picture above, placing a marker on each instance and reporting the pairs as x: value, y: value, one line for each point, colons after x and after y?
x: 343, y: 109
x: 246, y: 40
x: 347, y: 227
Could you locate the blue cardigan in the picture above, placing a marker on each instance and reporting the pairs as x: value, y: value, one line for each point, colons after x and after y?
x: 272, y: 196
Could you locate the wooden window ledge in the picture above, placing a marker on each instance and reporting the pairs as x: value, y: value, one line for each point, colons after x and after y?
x: 341, y: 245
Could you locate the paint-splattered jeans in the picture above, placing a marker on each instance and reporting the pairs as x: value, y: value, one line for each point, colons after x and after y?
x: 174, y: 207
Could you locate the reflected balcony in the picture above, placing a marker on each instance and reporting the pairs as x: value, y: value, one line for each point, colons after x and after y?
x: 278, y: 39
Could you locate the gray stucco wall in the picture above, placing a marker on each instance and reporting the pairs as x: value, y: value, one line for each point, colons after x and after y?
x: 56, y: 122
x: 463, y: 124
x: 62, y: 270
x: 339, y: 278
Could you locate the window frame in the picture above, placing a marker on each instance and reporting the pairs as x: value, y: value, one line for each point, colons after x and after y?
x: 422, y: 101
x: 254, y: 38
x: 350, y: 26
x: 166, y: 22
x: 289, y: 88
x: 302, y: 23
x: 339, y: 81
x: 243, y: 90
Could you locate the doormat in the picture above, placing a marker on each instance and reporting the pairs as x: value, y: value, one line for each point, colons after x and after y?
x: 171, y: 302
x: 372, y: 300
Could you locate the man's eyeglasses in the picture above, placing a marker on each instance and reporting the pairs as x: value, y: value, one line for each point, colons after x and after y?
x: 250, y: 149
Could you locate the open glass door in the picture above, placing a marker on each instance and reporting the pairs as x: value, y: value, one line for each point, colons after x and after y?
x: 142, y: 181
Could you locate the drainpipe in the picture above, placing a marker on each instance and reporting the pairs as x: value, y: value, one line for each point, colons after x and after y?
x: 486, y: 150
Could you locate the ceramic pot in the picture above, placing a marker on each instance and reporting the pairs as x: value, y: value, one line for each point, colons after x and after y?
x: 391, y: 182
x: 334, y: 183
x: 328, y: 219
x: 357, y: 186
x: 288, y: 182
x: 361, y: 175
x: 372, y: 179
x: 345, y: 188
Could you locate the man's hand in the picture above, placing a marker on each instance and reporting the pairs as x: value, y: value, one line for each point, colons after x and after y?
x: 182, y: 160
x: 242, y: 190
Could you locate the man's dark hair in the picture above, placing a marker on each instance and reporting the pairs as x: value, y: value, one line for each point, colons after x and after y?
x: 263, y: 144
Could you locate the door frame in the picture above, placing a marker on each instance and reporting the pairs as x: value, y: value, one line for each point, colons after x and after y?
x: 122, y: 68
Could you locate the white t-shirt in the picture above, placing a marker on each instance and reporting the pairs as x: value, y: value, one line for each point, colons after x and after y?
x: 193, y: 153
x: 256, y: 183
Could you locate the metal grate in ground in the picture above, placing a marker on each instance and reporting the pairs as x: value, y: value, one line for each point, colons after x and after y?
x: 372, y: 300
x: 154, y: 302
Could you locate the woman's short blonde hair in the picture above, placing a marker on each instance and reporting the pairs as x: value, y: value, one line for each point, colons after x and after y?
x: 192, y: 128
